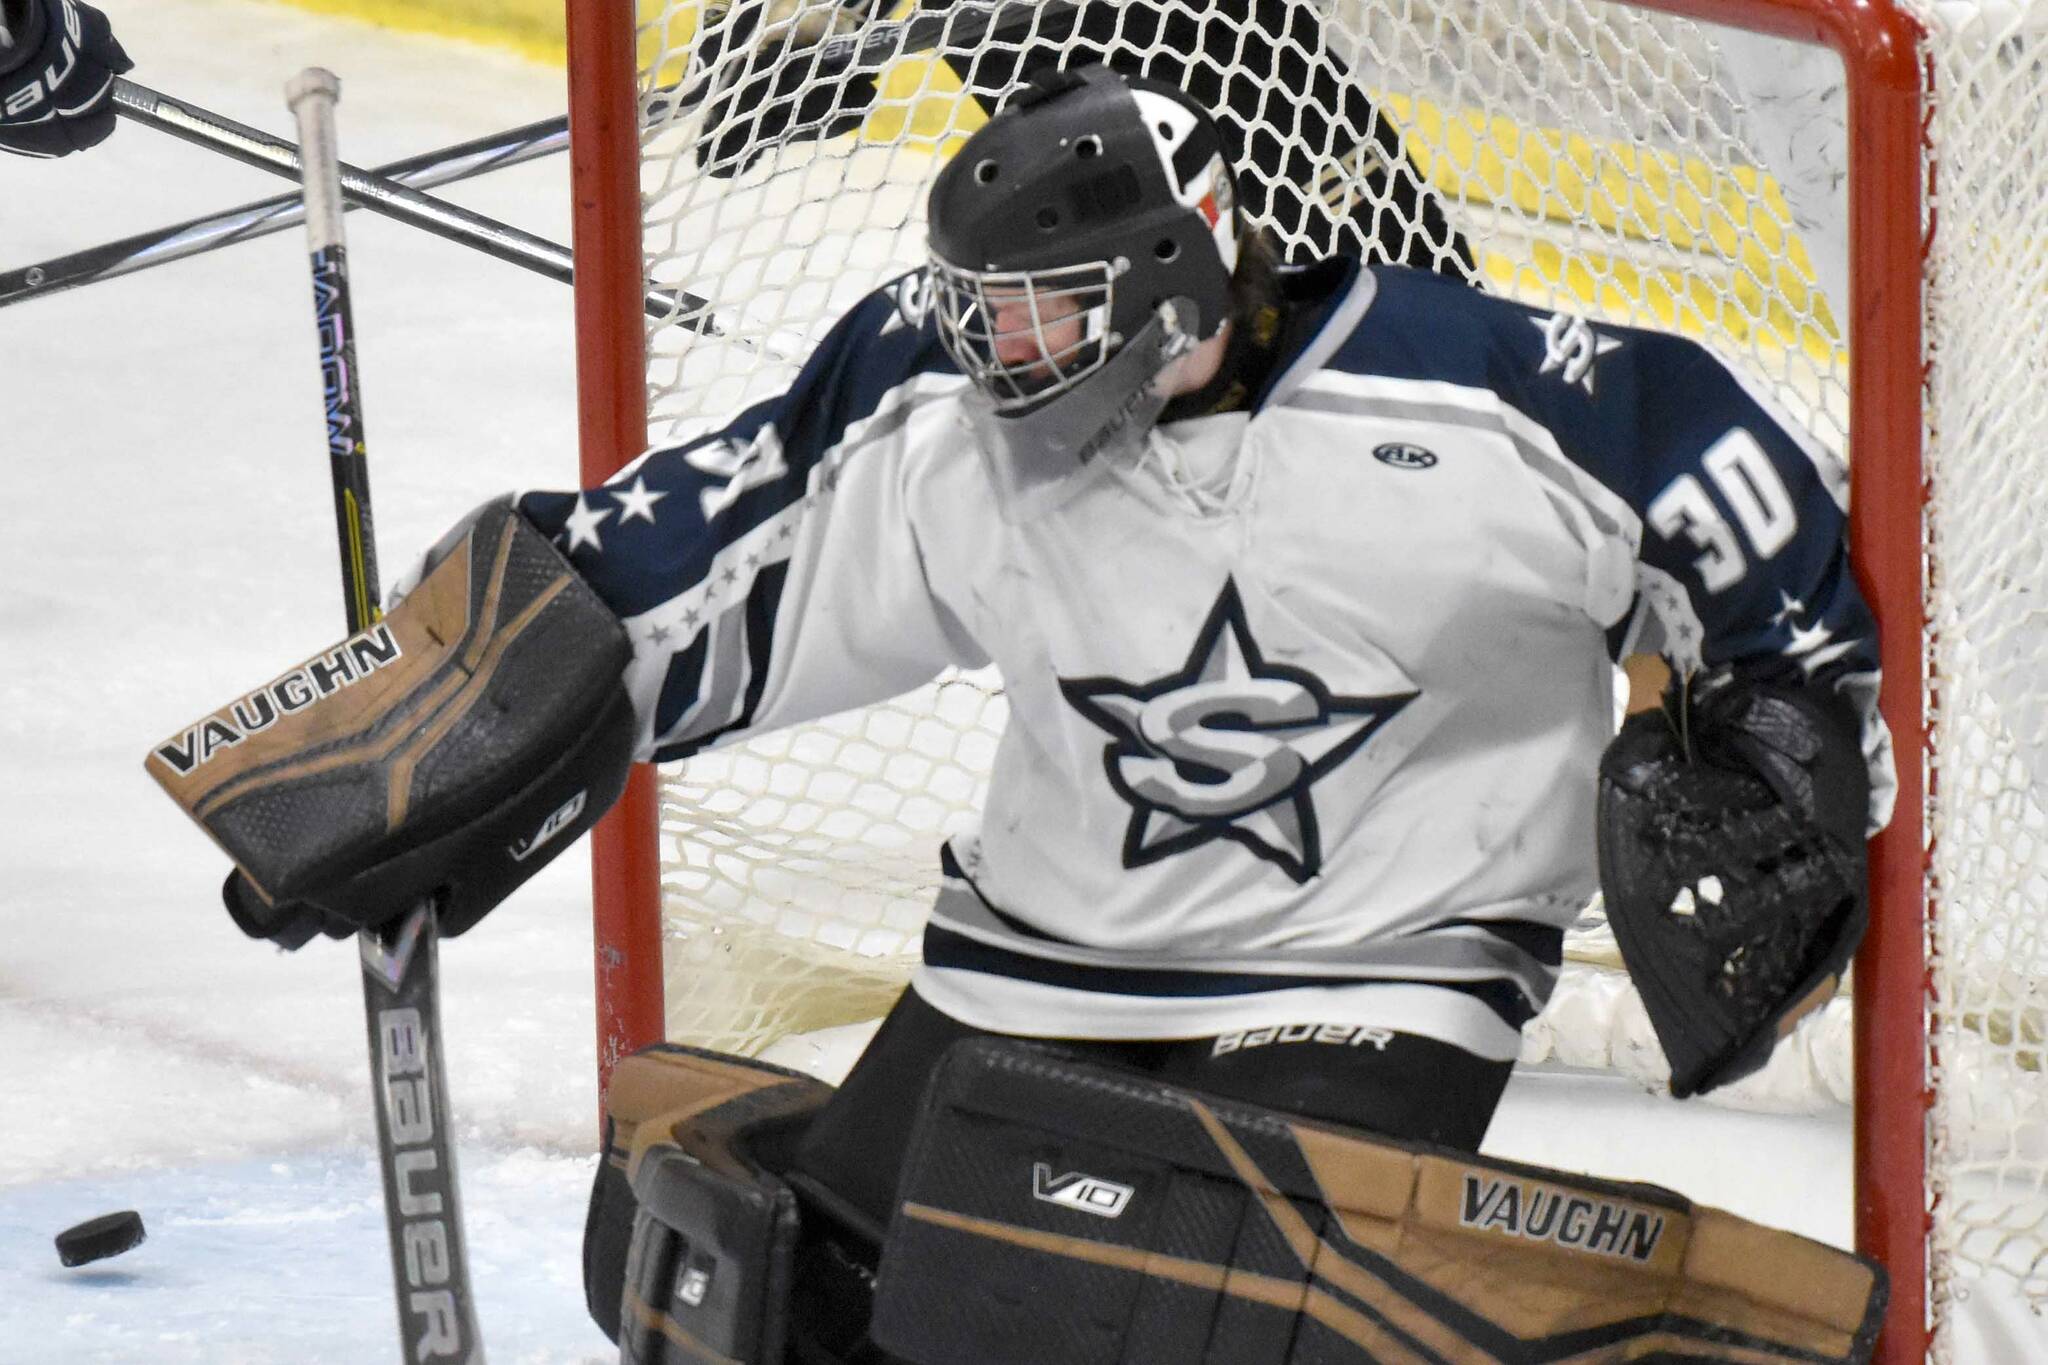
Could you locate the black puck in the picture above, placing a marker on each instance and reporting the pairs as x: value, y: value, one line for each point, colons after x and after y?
x: 98, y: 1238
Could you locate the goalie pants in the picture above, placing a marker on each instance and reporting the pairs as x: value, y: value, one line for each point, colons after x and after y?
x: 1393, y: 1083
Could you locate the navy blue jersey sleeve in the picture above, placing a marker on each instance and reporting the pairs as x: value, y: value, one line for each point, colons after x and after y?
x: 1742, y: 557
x: 769, y: 571
x: 1735, y: 518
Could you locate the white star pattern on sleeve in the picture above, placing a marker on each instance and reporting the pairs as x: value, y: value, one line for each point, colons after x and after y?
x: 637, y: 501
x: 582, y: 525
x: 1812, y: 648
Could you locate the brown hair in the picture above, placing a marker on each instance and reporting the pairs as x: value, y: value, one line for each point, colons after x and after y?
x: 1255, y: 287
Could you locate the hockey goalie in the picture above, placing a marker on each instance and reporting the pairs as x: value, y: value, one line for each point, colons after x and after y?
x: 1307, y: 583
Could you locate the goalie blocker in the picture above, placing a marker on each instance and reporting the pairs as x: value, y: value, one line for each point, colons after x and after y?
x: 1057, y: 1211
x: 451, y: 750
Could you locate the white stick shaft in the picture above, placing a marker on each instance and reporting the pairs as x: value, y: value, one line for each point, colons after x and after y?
x: 312, y: 95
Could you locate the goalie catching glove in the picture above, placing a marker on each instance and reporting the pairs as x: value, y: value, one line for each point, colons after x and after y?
x: 450, y: 750
x: 1734, y: 867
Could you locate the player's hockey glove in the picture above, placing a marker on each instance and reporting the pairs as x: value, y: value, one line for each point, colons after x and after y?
x: 57, y: 79
x: 451, y: 750
x: 1733, y: 863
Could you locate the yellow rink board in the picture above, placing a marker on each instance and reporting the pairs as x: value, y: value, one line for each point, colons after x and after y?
x: 1733, y: 272
x: 531, y: 28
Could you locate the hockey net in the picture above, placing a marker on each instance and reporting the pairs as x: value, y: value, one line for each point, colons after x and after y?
x: 1604, y: 161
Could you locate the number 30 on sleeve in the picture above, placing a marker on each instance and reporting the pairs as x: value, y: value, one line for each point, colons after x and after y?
x: 1750, y: 486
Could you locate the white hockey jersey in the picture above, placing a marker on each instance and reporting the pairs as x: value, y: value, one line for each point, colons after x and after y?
x: 1318, y: 746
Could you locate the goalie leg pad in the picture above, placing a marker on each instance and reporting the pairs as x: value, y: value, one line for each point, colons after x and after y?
x: 1058, y: 1211
x: 688, y: 1248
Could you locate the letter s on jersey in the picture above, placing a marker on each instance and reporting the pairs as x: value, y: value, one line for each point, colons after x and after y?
x: 1227, y: 746
x: 1749, y: 483
x: 1256, y: 768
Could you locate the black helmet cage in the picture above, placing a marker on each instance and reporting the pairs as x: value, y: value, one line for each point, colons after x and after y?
x: 1064, y: 223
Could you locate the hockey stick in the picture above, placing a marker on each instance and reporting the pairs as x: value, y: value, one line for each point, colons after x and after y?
x: 401, y: 971
x: 380, y: 195
x: 195, y: 236
x: 871, y: 48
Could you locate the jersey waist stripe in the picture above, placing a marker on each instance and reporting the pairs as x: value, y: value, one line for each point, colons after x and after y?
x: 1511, y: 958
x: 1037, y: 1009
x: 957, y: 951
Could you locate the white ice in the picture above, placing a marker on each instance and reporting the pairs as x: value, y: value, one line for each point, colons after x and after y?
x: 172, y: 545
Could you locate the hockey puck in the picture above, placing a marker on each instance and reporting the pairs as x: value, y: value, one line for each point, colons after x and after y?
x: 98, y: 1238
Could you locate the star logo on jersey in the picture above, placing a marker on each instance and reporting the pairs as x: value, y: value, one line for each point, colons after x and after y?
x: 1230, y: 746
x: 912, y: 296
x: 1570, y: 344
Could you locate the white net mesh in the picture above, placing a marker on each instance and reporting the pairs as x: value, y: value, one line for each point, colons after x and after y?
x: 1599, y: 160
x: 1987, y: 427
x: 1592, y: 155
x: 800, y: 866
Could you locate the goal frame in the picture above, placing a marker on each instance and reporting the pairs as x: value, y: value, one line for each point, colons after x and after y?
x: 1885, y: 71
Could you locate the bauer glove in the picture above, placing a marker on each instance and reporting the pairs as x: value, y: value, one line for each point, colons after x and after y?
x: 57, y: 79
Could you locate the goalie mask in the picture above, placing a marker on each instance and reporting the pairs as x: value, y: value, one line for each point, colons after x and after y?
x: 1080, y: 242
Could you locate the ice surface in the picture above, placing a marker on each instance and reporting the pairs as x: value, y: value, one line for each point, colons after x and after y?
x: 171, y: 545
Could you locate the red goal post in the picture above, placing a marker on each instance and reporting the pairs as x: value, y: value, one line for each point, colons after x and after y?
x: 611, y: 383
x: 1888, y: 231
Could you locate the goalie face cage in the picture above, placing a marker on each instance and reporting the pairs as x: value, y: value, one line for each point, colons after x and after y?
x: 1603, y: 160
